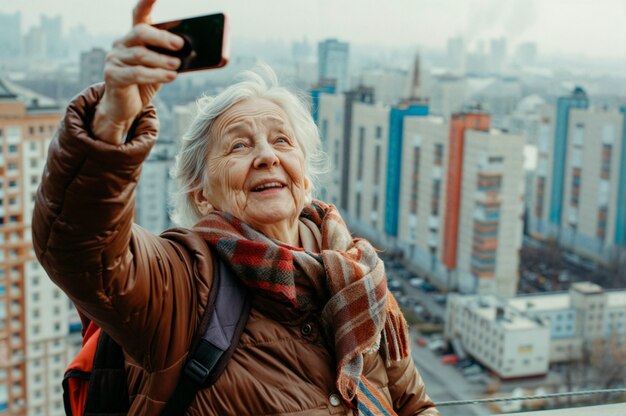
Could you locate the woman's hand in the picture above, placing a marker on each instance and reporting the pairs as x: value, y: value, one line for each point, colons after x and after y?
x: 133, y: 74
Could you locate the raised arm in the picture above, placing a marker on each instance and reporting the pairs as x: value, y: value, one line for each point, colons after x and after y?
x: 128, y: 281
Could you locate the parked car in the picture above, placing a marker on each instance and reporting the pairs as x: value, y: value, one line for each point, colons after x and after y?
x: 440, y: 298
x: 427, y: 287
x: 421, y: 341
x: 416, y: 281
x: 449, y: 359
x: 467, y: 362
x: 437, y: 346
x: 472, y: 370
x: 394, y: 284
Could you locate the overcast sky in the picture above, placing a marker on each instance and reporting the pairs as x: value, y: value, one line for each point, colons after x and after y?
x: 583, y: 28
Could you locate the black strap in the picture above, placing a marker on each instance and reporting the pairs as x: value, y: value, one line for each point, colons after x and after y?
x: 108, y: 391
x: 195, y: 374
x: 206, y: 362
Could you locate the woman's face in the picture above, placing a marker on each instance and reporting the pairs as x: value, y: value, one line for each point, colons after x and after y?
x: 256, y: 167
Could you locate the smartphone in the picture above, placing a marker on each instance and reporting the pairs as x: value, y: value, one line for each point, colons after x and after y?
x: 205, y: 42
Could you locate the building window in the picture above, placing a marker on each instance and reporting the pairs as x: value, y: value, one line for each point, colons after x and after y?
x: 377, y: 165
x: 379, y: 132
x: 438, y: 154
x: 434, y: 203
x: 361, y: 150
x: 358, y: 205
x: 324, y: 132
x: 415, y: 180
x: 489, y: 182
x: 541, y: 188
x: 605, y: 169
x: 603, y: 213
x: 575, y: 193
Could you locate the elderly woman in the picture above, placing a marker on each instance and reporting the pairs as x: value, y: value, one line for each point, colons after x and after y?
x: 246, y: 170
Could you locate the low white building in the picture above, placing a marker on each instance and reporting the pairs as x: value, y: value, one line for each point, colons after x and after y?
x: 517, y: 336
x: 507, y: 342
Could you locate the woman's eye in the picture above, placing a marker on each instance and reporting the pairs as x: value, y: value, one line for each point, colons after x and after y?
x: 237, y: 146
x: 282, y: 140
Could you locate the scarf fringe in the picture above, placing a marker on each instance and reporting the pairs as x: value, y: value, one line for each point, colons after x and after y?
x: 396, y: 339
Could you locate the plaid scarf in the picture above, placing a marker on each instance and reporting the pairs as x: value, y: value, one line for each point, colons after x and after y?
x: 346, y: 281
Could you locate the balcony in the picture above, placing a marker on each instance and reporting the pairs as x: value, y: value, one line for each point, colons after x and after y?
x: 618, y: 409
x: 615, y: 409
x: 433, y: 223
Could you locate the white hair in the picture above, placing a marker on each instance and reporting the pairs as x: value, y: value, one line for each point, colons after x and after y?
x: 190, y: 170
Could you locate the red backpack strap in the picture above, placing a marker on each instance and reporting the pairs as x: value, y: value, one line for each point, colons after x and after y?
x: 95, y: 382
x: 77, y: 375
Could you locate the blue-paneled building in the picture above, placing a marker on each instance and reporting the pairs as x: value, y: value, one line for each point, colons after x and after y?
x: 578, y: 99
x: 394, y: 159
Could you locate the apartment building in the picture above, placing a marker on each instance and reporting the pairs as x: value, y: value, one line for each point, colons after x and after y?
x: 330, y: 112
x: 491, y: 213
x: 422, y: 194
x: 368, y: 160
x: 155, y: 188
x: 558, y: 326
x: 332, y: 59
x: 448, y: 195
x: 578, y: 191
x: 33, y: 312
x: 462, y: 202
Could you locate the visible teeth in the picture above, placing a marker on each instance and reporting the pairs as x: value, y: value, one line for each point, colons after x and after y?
x: 268, y: 185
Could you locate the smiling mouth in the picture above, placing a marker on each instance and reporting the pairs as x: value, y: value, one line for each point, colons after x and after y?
x: 269, y: 185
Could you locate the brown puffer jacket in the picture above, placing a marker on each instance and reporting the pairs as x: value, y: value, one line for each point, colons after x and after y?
x: 149, y: 292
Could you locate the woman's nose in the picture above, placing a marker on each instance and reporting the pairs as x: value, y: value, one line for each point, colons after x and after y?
x: 265, y: 156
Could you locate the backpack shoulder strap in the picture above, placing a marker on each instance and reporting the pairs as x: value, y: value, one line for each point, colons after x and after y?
x: 108, y: 390
x: 218, y: 335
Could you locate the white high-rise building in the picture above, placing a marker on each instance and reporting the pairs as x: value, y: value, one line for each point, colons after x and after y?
x: 155, y: 188
x: 449, y: 195
x: 10, y: 35
x: 332, y: 58
x: 368, y: 166
x: 331, y: 125
x: 462, y: 202
x: 33, y: 311
x: 578, y: 196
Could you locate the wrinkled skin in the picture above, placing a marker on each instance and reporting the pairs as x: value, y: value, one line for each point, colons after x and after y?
x: 253, y: 144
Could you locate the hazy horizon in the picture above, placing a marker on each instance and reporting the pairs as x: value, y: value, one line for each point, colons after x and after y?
x: 583, y: 29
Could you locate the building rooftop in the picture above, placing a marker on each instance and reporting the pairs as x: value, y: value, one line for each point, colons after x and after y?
x: 542, y: 302
x: 616, y: 299
x: 5, y: 92
x: 587, y: 288
x: 32, y: 100
x: 492, y: 309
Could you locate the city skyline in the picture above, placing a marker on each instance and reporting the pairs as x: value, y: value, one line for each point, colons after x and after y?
x: 580, y: 29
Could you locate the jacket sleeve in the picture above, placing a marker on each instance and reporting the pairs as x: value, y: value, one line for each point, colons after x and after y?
x: 140, y: 288
x: 408, y: 391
